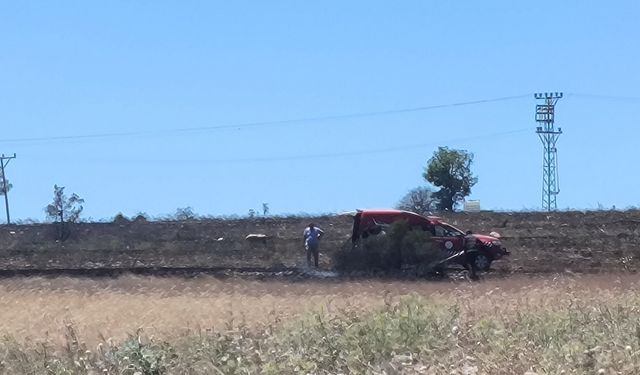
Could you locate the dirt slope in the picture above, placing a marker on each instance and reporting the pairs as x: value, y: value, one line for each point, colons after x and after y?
x: 596, y: 241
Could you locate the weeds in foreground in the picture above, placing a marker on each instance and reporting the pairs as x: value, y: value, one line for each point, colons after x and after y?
x: 414, y: 335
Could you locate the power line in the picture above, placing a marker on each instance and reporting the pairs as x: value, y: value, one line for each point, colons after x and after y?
x: 603, y: 97
x: 260, y: 123
x: 337, y: 154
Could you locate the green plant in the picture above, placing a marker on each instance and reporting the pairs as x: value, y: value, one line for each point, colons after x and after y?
x: 450, y: 170
x: 137, y: 356
x: 64, y: 210
x: 575, y: 334
x: 397, y: 246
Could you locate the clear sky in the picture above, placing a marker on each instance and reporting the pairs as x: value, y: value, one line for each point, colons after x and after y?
x: 157, y: 80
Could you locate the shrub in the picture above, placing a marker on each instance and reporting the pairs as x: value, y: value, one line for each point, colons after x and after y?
x: 120, y: 219
x: 357, y: 343
x: 397, y: 247
x: 184, y: 214
x: 141, y: 217
x: 137, y: 356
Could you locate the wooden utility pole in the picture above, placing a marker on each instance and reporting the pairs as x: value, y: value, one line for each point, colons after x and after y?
x: 4, y: 161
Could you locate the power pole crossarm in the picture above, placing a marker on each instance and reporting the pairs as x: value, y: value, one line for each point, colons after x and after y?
x: 545, y: 117
x: 4, y: 161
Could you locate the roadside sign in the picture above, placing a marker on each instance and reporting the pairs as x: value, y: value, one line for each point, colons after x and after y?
x: 472, y: 206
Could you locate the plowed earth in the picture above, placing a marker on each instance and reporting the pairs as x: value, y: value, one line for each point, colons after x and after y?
x: 579, y: 242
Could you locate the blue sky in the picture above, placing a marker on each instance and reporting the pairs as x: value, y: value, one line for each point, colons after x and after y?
x: 151, y: 68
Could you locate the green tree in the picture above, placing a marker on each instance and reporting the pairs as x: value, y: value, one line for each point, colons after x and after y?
x: 450, y: 170
x: 185, y: 213
x: 2, y: 187
x: 64, y: 210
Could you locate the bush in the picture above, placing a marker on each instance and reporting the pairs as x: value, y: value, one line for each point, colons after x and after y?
x: 139, y: 357
x: 400, y: 246
x: 120, y: 219
x: 360, y: 343
x: 141, y: 218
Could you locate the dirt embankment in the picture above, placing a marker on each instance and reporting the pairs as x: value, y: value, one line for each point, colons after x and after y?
x: 597, y: 241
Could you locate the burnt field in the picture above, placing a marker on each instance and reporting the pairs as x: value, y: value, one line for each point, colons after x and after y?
x: 581, y: 242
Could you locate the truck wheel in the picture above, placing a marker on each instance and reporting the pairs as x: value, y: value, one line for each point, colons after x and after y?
x: 482, y: 262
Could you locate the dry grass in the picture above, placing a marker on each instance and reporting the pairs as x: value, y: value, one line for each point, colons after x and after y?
x: 163, y: 307
x: 578, y: 324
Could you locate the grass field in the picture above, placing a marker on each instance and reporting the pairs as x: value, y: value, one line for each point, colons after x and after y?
x: 137, y: 325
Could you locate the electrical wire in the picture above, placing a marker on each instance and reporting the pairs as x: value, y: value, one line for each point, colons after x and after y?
x: 332, y: 155
x: 603, y: 97
x: 245, y: 125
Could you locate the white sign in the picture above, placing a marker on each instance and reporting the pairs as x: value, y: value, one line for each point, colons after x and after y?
x: 472, y: 206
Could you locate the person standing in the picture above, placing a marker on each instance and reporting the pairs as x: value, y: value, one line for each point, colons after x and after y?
x: 470, y: 254
x: 311, y: 237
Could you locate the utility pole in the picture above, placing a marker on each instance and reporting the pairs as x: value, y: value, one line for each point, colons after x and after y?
x: 549, y: 136
x: 4, y: 161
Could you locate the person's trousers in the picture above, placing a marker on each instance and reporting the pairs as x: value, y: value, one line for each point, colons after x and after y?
x: 312, y: 250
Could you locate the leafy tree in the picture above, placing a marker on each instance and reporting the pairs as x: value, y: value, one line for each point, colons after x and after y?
x: 265, y: 209
x: 2, y: 187
x: 64, y: 210
x: 420, y: 200
x: 186, y: 213
x: 450, y: 170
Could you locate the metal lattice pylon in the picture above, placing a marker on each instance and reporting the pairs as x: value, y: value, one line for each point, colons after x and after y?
x: 549, y: 136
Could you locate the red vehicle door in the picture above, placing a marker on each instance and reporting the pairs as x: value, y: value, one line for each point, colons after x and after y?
x: 448, y: 238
